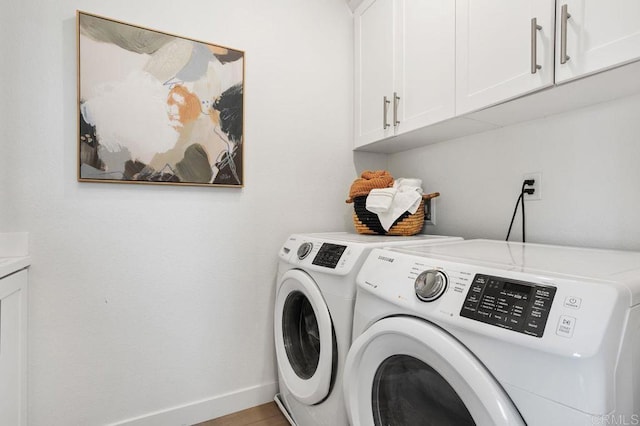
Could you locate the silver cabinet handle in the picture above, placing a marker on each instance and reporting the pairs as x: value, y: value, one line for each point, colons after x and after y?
x: 563, y: 34
x: 534, y: 45
x: 385, y: 108
x: 396, y: 101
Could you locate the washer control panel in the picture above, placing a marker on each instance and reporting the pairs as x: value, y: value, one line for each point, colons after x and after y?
x: 514, y: 305
x: 329, y: 255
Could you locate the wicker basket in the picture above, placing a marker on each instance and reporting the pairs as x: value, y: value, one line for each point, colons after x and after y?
x: 367, y: 222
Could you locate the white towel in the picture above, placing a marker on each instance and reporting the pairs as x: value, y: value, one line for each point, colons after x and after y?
x: 407, y: 198
x: 407, y: 182
x: 379, y: 199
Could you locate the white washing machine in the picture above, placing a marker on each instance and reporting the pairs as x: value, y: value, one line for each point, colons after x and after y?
x: 315, y: 295
x: 495, y: 333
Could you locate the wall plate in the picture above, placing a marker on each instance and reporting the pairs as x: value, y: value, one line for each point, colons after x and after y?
x: 537, y: 186
x: 430, y: 211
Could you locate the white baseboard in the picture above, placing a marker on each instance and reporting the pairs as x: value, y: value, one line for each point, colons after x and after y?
x: 207, y: 409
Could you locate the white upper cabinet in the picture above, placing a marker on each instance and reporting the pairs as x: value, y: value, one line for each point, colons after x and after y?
x: 405, y: 66
x: 432, y: 70
x: 504, y: 49
x: 425, y: 73
x: 593, y: 35
x: 374, y: 41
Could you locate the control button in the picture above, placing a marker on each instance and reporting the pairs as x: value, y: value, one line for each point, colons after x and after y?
x: 573, y: 302
x: 540, y: 304
x: 566, y: 325
x: 472, y: 298
x: 480, y: 279
x: 517, y: 309
x: 486, y: 305
x: 471, y: 307
x: 543, y: 293
x: 519, y: 306
x: 483, y: 314
x: 471, y: 302
x: 514, y: 321
x: 499, y: 317
x: 534, y: 327
x: 536, y: 313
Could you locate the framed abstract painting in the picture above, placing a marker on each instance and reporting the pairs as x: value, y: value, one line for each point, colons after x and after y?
x: 156, y: 108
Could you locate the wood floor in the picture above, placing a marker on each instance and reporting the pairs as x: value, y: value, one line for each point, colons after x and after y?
x: 263, y: 415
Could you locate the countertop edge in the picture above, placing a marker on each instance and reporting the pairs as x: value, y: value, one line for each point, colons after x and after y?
x: 9, y: 265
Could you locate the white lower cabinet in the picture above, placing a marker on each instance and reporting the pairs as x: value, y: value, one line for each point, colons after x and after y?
x: 13, y: 349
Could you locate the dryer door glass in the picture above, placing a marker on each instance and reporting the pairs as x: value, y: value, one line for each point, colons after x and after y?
x: 305, y: 339
x: 407, y: 371
x: 301, y: 335
x: 406, y: 391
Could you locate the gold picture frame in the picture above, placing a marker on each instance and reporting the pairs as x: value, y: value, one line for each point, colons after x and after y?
x: 156, y: 108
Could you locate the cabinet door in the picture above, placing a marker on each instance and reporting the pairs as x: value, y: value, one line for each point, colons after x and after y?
x: 13, y: 349
x: 496, y: 50
x: 425, y: 62
x: 374, y: 43
x: 599, y: 35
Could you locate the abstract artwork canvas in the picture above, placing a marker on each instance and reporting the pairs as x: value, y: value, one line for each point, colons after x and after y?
x: 157, y: 108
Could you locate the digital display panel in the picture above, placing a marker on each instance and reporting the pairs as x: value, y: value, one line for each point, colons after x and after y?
x: 329, y: 255
x: 518, y: 288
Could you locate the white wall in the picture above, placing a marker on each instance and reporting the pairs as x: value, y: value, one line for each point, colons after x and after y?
x: 590, y: 176
x: 146, y: 298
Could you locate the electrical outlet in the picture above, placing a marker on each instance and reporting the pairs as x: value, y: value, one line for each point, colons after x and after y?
x: 430, y: 211
x: 537, y: 186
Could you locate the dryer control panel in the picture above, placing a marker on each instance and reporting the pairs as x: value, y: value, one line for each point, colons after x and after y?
x: 329, y: 255
x: 514, y: 305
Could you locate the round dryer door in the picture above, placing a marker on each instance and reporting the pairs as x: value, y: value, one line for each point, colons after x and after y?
x: 406, y: 371
x: 304, y: 338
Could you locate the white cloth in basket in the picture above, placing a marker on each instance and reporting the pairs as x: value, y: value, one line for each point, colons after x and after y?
x: 379, y: 200
x: 407, y: 198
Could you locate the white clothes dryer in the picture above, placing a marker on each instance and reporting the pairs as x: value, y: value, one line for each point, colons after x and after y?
x: 315, y: 295
x: 495, y: 333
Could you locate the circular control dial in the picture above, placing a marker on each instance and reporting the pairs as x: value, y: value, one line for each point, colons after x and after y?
x: 430, y: 285
x: 304, y: 250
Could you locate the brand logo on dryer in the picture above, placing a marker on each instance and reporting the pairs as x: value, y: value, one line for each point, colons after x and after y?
x: 386, y: 259
x: 371, y: 284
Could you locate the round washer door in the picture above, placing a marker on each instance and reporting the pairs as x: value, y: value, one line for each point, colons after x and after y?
x: 407, y: 371
x: 304, y: 338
